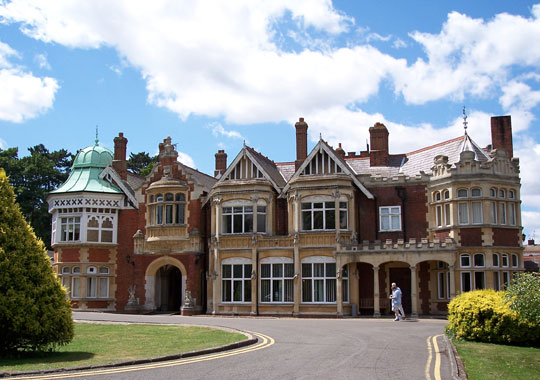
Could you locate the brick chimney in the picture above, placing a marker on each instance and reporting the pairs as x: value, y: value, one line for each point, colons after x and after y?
x: 340, y: 152
x: 378, y: 153
x: 119, y: 162
x: 221, y: 163
x: 501, y: 134
x: 301, y: 142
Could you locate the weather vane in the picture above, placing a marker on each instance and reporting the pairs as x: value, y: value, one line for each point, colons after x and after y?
x: 465, y: 123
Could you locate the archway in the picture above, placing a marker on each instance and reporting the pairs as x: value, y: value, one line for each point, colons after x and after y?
x: 168, y: 288
x: 165, y: 284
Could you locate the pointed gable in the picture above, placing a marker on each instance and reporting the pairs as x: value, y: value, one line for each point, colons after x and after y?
x: 323, y: 160
x: 251, y: 165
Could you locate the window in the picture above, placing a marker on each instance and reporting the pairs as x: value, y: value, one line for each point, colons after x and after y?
x: 515, y: 260
x: 479, y: 280
x: 236, y: 280
x: 493, y: 192
x: 476, y: 193
x: 261, y: 218
x: 91, y: 270
x: 76, y: 270
x: 502, y: 193
x: 502, y: 212
x: 479, y: 260
x: 75, y: 287
x: 390, y: 218
x: 443, y: 285
x: 511, y: 194
x: 103, y: 287
x: 343, y: 216
x: 91, y: 286
x: 168, y: 208
x: 462, y: 193
x: 466, y: 285
x: 465, y: 261
x: 66, y: 270
x: 494, y: 212
x: 463, y: 213
x: 318, y: 216
x: 496, y: 281
x: 512, y: 213
x: 437, y: 196
x: 438, y: 215
x: 446, y: 194
x: 447, y: 214
x: 476, y: 212
x: 70, y: 228
x: 505, y: 260
x: 277, y: 280
x: 506, y: 279
x: 496, y: 260
x: 237, y: 219
x: 319, y: 280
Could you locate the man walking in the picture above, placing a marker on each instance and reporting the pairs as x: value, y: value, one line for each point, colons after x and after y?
x: 396, y: 302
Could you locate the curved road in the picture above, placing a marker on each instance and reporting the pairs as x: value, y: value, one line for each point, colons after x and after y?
x: 301, y: 349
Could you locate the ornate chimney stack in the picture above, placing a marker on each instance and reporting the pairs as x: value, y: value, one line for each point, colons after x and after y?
x: 221, y: 163
x: 501, y: 134
x: 119, y: 162
x: 378, y: 136
x: 301, y: 142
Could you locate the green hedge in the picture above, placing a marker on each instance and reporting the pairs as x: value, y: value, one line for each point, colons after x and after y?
x: 484, y: 316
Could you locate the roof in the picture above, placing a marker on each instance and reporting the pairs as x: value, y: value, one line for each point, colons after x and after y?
x: 86, y: 170
x: 421, y: 160
x: 203, y: 179
x: 269, y: 167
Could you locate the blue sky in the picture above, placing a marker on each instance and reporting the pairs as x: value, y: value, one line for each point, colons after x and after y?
x: 212, y: 74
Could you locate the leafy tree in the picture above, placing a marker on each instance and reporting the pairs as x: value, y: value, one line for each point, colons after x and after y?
x: 32, y: 178
x: 34, y: 311
x: 141, y: 163
x: 523, y: 295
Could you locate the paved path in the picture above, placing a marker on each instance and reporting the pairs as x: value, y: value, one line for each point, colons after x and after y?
x: 302, y: 349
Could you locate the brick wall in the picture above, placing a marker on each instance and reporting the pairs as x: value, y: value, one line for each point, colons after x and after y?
x: 99, y: 255
x: 424, y: 292
x: 69, y: 255
x: 471, y: 237
x: 506, y: 237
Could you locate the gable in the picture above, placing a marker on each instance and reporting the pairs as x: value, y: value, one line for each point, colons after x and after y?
x: 321, y: 164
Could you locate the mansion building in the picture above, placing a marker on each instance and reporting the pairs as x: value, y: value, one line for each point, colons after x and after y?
x: 324, y: 235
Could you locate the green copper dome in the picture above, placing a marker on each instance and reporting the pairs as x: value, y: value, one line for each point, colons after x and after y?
x: 84, y: 176
x: 94, y: 157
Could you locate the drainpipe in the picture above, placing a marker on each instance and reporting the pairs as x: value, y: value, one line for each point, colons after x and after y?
x: 257, y: 283
x: 376, y: 219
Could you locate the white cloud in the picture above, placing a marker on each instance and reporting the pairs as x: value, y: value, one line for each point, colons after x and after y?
x: 186, y: 159
x: 218, y: 130
x: 3, y: 144
x: 23, y: 95
x: 531, y: 224
x: 41, y: 60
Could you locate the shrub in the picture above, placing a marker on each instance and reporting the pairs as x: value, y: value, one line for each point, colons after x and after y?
x: 34, y: 311
x: 484, y: 316
x: 523, y: 296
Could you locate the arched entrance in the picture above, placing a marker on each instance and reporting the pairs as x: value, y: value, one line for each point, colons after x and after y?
x: 165, y: 284
x: 168, y: 289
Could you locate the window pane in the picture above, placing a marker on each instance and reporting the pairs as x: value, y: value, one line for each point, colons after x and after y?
x: 439, y: 216
x: 317, y: 220
x: 265, y: 270
x: 226, y: 271
x: 289, y: 270
x: 479, y: 282
x: 395, y: 223
x: 306, y: 291
x: 277, y: 295
x: 505, y: 260
x: 289, y: 291
x: 465, y: 261
x: 495, y: 260
x: 318, y: 290
x: 514, y: 260
x: 385, y: 223
x: 247, y: 270
x: 331, y: 270
x: 318, y: 270
x: 306, y: 220
x: 91, y: 287
x: 103, y: 287
x: 179, y: 214
x: 265, y: 290
x: 227, y: 224
x: 159, y: 215
x: 248, y: 222
x: 502, y: 213
x: 180, y: 197
x: 106, y: 236
x: 331, y: 290
x: 477, y: 212
x: 447, y: 214
x: 496, y: 281
x: 168, y: 197
x: 512, y: 214
x: 330, y: 220
x: 479, y: 260
x: 237, y: 291
x: 306, y: 270
x: 277, y: 270
x: 465, y: 281
x: 226, y: 290
x: 343, y: 220
x: 75, y: 287
x: 463, y: 211
x: 247, y: 290
x: 261, y: 222
x: 92, y: 235
x: 345, y: 290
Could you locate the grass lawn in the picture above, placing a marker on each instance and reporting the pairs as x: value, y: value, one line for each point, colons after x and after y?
x: 108, y: 343
x: 495, y: 361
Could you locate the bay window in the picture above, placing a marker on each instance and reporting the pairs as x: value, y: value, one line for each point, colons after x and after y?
x: 277, y: 280
x: 319, y: 280
x: 320, y: 214
x: 167, y: 209
x: 236, y: 280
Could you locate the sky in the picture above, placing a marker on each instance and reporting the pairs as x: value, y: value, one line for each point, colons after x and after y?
x: 214, y: 74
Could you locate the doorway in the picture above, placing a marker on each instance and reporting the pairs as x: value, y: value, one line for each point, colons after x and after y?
x: 402, y: 277
x: 168, y: 288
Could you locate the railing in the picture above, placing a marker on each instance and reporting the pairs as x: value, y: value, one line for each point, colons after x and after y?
x: 399, y: 245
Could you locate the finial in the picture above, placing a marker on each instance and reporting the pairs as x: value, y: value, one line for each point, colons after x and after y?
x: 244, y: 143
x: 465, y: 123
x: 320, y: 135
x: 96, y: 141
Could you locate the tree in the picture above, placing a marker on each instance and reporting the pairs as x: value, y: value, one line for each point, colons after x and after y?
x: 141, y: 163
x: 523, y: 296
x: 32, y: 178
x: 34, y: 311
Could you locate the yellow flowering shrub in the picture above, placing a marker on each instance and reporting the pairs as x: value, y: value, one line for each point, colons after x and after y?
x: 484, y: 316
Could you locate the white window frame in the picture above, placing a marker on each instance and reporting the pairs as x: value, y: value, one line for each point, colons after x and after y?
x: 389, y: 213
x: 439, y: 215
x: 463, y: 255
x: 447, y: 214
x: 232, y: 210
x: 70, y: 228
x: 477, y: 213
x: 515, y: 260
x: 325, y: 278
x: 328, y: 206
x: 498, y: 264
x: 483, y: 260
x: 494, y: 209
x: 283, y: 280
x: 463, y: 213
x: 512, y: 220
x: 75, y: 287
x: 506, y: 258
x: 247, y: 270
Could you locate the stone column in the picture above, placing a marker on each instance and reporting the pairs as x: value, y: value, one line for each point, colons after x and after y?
x: 452, y: 281
x: 414, y: 300
x: 376, y: 306
x: 215, y: 274
x: 339, y: 293
x: 336, y: 216
x: 297, y: 264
